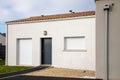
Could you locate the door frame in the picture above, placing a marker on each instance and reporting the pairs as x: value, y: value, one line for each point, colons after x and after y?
x: 41, y: 49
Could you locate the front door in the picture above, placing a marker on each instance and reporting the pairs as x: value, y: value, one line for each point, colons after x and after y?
x: 46, y: 50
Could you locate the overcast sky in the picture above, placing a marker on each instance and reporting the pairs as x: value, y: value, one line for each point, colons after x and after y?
x: 17, y: 9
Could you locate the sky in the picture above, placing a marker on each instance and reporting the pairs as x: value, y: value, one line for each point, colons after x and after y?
x: 18, y: 9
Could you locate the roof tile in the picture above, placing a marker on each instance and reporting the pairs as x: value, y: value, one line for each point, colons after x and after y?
x: 57, y: 16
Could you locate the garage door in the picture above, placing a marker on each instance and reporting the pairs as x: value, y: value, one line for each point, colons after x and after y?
x: 25, y: 52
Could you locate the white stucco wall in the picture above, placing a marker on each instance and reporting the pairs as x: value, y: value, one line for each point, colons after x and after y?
x: 2, y: 39
x: 57, y: 30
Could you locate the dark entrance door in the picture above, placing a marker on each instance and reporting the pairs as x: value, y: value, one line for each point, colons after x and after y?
x: 46, y: 50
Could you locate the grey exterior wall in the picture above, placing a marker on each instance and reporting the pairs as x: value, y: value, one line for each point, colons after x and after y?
x: 114, y: 40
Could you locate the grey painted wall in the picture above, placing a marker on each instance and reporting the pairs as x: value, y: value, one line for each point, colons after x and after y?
x: 114, y: 40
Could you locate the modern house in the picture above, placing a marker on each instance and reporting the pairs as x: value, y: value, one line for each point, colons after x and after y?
x: 108, y: 39
x: 62, y: 40
x: 77, y: 40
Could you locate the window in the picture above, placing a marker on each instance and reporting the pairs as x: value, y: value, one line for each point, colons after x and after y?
x: 75, y: 43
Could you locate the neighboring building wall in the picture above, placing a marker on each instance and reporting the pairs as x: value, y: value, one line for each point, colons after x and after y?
x: 2, y: 39
x: 114, y: 39
x: 2, y: 46
x: 57, y: 30
x: 2, y: 51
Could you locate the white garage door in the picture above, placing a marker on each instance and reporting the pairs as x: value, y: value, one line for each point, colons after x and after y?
x: 25, y: 52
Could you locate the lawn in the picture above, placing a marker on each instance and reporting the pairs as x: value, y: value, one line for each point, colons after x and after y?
x: 7, y: 69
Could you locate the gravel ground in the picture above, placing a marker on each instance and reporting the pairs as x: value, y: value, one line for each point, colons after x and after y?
x: 62, y: 72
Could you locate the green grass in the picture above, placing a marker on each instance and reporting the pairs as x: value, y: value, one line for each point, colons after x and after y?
x: 8, y: 69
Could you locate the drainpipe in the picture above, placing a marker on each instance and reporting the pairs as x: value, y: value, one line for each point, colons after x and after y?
x: 107, y: 8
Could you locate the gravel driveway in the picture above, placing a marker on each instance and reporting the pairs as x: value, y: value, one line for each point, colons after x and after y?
x: 62, y: 72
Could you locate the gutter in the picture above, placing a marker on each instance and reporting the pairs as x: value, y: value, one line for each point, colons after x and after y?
x: 107, y: 8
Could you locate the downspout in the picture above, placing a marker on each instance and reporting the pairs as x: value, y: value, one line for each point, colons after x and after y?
x: 107, y: 8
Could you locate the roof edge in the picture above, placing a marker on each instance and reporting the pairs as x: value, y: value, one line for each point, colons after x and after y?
x: 50, y: 20
x: 97, y: 0
x: 56, y: 16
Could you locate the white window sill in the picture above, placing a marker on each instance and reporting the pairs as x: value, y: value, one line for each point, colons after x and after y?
x: 75, y: 50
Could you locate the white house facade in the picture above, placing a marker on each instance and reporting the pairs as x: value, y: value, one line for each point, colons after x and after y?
x: 64, y: 40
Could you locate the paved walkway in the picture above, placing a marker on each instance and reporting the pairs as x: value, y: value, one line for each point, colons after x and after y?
x: 63, y: 72
x: 19, y: 75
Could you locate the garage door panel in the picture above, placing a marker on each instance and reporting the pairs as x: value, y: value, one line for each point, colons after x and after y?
x: 25, y: 52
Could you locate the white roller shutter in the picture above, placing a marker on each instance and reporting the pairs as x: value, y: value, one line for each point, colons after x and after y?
x: 75, y: 43
x: 25, y: 52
